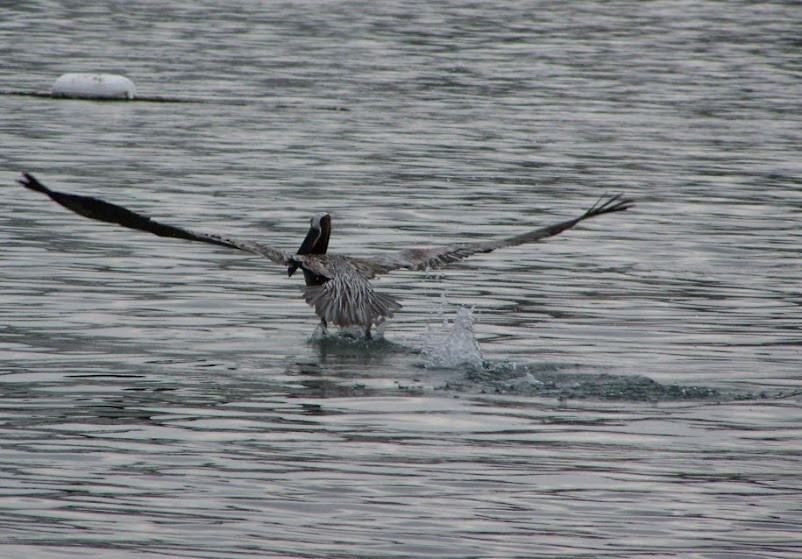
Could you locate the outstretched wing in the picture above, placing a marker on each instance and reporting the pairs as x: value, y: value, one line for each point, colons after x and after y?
x: 94, y: 208
x: 439, y: 257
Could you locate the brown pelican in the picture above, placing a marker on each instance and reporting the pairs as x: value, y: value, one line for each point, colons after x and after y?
x: 337, y: 287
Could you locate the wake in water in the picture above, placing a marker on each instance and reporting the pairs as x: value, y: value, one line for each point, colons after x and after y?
x: 350, y: 340
x: 453, y: 345
x: 566, y: 382
x: 449, y: 346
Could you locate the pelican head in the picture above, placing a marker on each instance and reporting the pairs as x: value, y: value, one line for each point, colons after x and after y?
x: 317, y: 238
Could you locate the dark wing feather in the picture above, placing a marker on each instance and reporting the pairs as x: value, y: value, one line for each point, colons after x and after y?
x: 439, y: 257
x: 94, y: 208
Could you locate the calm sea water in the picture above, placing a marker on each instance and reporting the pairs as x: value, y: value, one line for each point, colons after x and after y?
x: 627, y: 389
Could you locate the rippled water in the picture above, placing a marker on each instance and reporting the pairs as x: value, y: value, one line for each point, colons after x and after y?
x: 628, y: 389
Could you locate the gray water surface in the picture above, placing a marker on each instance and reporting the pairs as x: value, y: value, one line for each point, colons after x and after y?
x: 627, y: 389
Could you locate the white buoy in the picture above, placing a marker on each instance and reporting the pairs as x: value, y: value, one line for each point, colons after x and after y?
x: 93, y: 86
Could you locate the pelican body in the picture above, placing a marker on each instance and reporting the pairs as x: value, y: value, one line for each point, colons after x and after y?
x: 337, y: 287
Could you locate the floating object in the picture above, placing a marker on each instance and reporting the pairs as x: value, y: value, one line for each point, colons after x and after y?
x: 93, y: 86
x: 337, y: 287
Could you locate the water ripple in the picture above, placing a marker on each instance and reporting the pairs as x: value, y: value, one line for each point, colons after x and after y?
x: 630, y: 388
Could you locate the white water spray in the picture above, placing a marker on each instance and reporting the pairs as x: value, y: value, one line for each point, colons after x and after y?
x: 452, y: 347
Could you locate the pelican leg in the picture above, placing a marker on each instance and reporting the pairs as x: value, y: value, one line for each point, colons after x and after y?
x: 324, y: 327
x: 368, y: 335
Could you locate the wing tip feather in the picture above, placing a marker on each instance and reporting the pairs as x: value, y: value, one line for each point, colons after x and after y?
x: 32, y: 183
x: 608, y: 203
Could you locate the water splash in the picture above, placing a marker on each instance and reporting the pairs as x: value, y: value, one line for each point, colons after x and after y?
x: 349, y: 334
x: 452, y: 347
